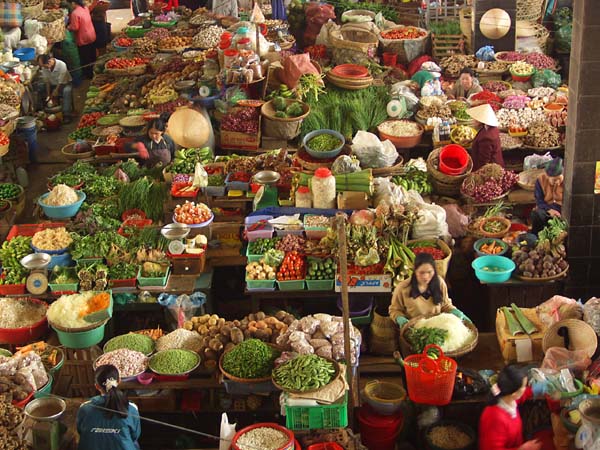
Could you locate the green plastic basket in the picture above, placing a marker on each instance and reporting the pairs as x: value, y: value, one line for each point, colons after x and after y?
x: 317, y: 417
x: 136, y: 32
x: 319, y: 285
x: 294, y: 285
x: 169, y: 24
x: 260, y: 284
x: 253, y: 258
x: 82, y: 339
x: 89, y: 261
x: 156, y: 281
x: 5, y: 352
x: 67, y: 287
x: 579, y: 385
x: 45, y: 390
x: 362, y: 320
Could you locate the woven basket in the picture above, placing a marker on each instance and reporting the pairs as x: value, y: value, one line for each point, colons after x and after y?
x: 354, y: 38
x: 529, y: 9
x: 443, y: 184
x: 468, y: 348
x: 53, y: 25
x: 416, y: 47
x: 441, y: 266
x: 396, y: 169
x: 581, y: 336
x: 282, y: 128
x: 4, y: 149
x: 51, y: 4
x: 33, y: 10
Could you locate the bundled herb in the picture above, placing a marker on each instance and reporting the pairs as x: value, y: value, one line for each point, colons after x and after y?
x: 122, y: 271
x: 250, y: 359
x: 99, y: 186
x: 419, y: 338
x: 446, y: 27
x: 147, y: 237
x: 96, y: 245
x: 83, y: 170
x: 88, y: 221
x: 145, y: 194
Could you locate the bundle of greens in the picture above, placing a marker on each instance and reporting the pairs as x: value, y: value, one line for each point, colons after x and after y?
x: 419, y: 338
x: 96, y: 245
x: 146, y: 194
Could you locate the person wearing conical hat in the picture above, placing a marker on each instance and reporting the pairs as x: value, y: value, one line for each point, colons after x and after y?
x: 486, y: 147
x: 548, y: 195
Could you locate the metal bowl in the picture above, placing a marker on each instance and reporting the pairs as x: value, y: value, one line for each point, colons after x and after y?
x: 184, y: 85
x: 267, y: 177
x: 36, y: 261
x: 175, y: 231
x: 45, y: 409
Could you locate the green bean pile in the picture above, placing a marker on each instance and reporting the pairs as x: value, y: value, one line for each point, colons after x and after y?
x: 173, y: 362
x: 250, y: 359
x: 131, y: 341
x: 304, y: 373
x: 324, y: 143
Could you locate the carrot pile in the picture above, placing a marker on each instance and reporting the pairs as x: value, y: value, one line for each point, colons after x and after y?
x: 491, y: 248
x: 98, y: 302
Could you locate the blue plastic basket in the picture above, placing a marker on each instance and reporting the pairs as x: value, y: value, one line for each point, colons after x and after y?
x: 61, y: 212
x: 25, y: 54
x: 499, y: 262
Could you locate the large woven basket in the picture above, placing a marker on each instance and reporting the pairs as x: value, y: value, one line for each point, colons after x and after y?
x: 581, y: 336
x: 32, y: 10
x: 53, y: 25
x: 354, y: 38
x: 406, y: 49
x: 468, y: 348
x: 281, y: 128
x: 529, y: 9
x: 441, y: 266
x: 443, y: 184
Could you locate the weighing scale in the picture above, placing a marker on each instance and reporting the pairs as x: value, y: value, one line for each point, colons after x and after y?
x: 267, y: 194
x: 176, y: 233
x: 44, y: 415
x: 37, y: 264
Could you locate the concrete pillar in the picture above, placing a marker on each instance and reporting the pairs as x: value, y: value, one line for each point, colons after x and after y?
x: 581, y: 207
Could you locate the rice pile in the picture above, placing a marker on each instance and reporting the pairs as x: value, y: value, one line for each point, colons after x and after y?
x: 66, y: 311
x: 61, y: 195
x: 19, y: 312
x: 458, y: 334
x: 180, y: 339
x: 449, y: 436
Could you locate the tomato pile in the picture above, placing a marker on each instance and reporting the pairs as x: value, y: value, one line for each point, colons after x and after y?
x: 240, y: 176
x: 89, y: 120
x: 373, y: 269
x: 4, y: 140
x: 125, y: 63
x: 433, y: 251
x: 404, y: 33
x: 191, y: 213
x: 292, y: 268
x: 124, y: 42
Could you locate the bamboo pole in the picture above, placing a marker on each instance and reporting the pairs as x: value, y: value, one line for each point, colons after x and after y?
x: 343, y: 269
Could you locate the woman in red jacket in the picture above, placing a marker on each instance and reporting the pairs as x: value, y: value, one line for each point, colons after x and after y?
x: 486, y: 147
x: 500, y: 425
x: 80, y: 23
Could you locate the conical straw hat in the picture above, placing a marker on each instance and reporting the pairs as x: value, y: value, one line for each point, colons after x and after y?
x: 484, y: 114
x: 495, y: 23
x: 188, y: 128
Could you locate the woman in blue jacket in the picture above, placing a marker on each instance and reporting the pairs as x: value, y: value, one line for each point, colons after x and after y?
x: 108, y: 421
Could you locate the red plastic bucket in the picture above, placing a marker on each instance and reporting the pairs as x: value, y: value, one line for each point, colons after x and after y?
x: 379, y: 432
x: 390, y: 59
x: 453, y: 159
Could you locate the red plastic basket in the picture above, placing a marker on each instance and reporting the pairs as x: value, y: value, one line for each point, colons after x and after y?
x: 13, y: 289
x: 133, y: 223
x: 29, y: 229
x: 133, y: 212
x: 17, y: 336
x: 178, y: 185
x: 430, y: 381
x: 288, y: 433
x: 131, y: 282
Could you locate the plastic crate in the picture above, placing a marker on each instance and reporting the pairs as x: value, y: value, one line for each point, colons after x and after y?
x: 67, y: 287
x: 317, y: 417
x: 178, y: 185
x: 293, y: 285
x: 314, y: 232
x: 156, y: 281
x: 215, y: 191
x: 128, y: 283
x: 320, y: 285
x: 13, y: 289
x: 236, y: 185
x: 363, y: 320
x: 253, y: 258
x: 31, y: 229
x: 260, y: 284
x: 265, y: 233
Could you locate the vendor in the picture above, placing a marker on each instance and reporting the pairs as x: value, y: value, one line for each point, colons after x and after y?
x: 548, y: 195
x: 80, y: 23
x: 108, y: 421
x: 486, y: 147
x: 55, y: 83
x: 155, y: 147
x: 432, y: 86
x: 500, y: 425
x: 466, y: 85
x: 425, y: 292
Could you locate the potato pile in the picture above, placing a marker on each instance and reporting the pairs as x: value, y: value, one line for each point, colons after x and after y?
x: 175, y: 42
x: 220, y: 335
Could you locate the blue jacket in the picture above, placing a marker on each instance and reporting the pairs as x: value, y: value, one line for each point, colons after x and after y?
x: 98, y: 432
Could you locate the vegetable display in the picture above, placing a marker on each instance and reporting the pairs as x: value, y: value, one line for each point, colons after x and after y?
x: 404, y: 33
x: 125, y: 63
x: 428, y: 247
x: 324, y: 143
x: 242, y: 120
x: 321, y: 269
x: 185, y: 159
x: 286, y: 110
x: 173, y: 362
x: 261, y: 246
x: 131, y: 341
x: 304, y: 373
x: 521, y: 68
x: 260, y: 271
x: 542, y: 135
x: 192, y: 213
x: 292, y: 268
x: 11, y: 254
x: 488, y: 183
x: 9, y: 191
x: 250, y: 359
x: 419, y: 338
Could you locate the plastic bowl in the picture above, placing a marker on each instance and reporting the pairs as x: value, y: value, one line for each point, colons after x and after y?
x: 500, y: 262
x: 350, y: 71
x: 483, y: 241
x: 384, y: 397
x: 19, y: 336
x: 61, y: 212
x: 453, y: 159
x: 145, y: 378
x: 25, y: 54
x: 81, y: 339
x: 323, y: 155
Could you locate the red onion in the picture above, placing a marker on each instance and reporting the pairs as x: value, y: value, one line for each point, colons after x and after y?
x: 540, y: 61
x: 510, y: 56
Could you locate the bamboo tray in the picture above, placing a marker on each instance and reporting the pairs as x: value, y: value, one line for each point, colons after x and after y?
x: 335, y: 376
x: 246, y: 380
x: 545, y: 279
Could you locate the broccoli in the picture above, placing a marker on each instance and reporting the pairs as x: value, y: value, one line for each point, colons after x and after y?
x: 294, y: 110
x: 279, y: 103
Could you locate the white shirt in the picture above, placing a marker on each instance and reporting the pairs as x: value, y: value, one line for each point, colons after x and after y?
x: 59, y: 75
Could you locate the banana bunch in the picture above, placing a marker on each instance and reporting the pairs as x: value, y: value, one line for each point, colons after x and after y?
x: 283, y: 91
x: 415, y: 180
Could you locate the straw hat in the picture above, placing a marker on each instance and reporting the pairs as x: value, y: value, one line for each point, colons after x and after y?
x: 581, y: 336
x: 484, y: 114
x: 188, y: 128
x: 495, y: 23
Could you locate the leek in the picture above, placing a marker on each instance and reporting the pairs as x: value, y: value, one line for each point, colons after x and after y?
x: 525, y: 323
x: 356, y: 181
x: 513, y: 326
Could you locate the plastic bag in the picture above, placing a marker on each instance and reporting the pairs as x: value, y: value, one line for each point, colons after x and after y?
x: 558, y: 358
x: 563, y: 38
x: 546, y: 78
x: 323, y: 36
x: 486, y: 53
x: 183, y: 307
x: 387, y: 192
x: 317, y: 14
x: 371, y: 152
x: 559, y: 308
x: 366, y: 257
x: 294, y: 67
x: 200, y: 176
x: 591, y: 313
x: 227, y: 432
x: 345, y: 164
x: 274, y: 257
x: 456, y: 219
x: 536, y: 161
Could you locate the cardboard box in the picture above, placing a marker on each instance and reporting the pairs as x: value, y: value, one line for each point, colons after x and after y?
x: 226, y: 233
x: 508, y: 342
x: 352, y: 200
x: 365, y: 283
x: 270, y: 143
x: 232, y: 140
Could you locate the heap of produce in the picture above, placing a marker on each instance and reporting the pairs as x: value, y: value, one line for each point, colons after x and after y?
x: 290, y: 243
x: 242, y: 120
x: 20, y: 312
x: 488, y: 183
x: 404, y: 33
x: 69, y: 310
x: 11, y: 418
x: 321, y: 269
x: 125, y: 63
x: 26, y: 371
x: 260, y: 271
x: 128, y: 362
x: 131, y: 341
x: 414, y: 179
x: 449, y: 437
x: 50, y: 356
x: 445, y: 330
x: 495, y: 86
x: 519, y: 117
x: 265, y: 438
x: 9, y: 191
x: 192, y: 213
x: 173, y: 362
x: 287, y: 110
x: 61, y: 195
x: 510, y: 56
x: 250, y: 359
x: 262, y: 246
x: 400, y: 128
x: 304, y: 373
x: 521, y: 68
x: 292, y: 268
x: 542, y: 135
x: 180, y: 339
x: 185, y: 159
x: 463, y: 135
x: 52, y: 239
x: 430, y: 247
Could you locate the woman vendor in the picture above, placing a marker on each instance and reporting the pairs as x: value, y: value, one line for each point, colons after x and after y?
x: 466, y: 85
x: 548, y: 195
x: 108, y: 421
x: 155, y: 147
x: 500, y: 425
x: 486, y: 147
x: 425, y: 292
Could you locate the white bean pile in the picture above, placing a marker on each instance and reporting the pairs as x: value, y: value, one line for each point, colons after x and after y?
x: 180, y: 339
x: 128, y: 362
x: 263, y: 438
x: 208, y: 37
